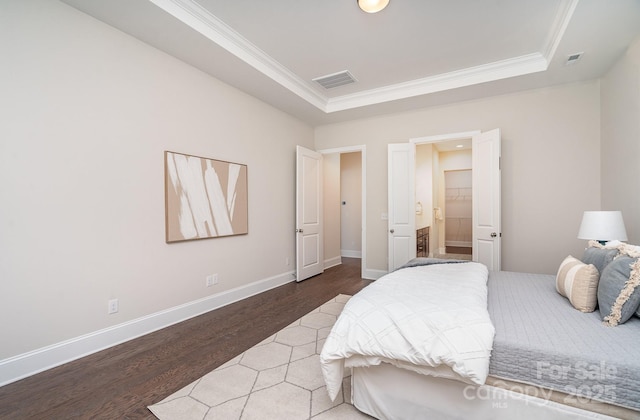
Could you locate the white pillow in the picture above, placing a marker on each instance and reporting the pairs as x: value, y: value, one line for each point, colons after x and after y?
x: 578, y: 282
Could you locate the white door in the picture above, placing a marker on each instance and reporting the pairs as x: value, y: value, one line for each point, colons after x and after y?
x: 309, y: 241
x: 487, y: 231
x: 401, y: 212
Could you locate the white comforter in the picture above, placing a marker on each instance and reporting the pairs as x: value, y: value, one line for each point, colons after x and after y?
x: 430, y: 319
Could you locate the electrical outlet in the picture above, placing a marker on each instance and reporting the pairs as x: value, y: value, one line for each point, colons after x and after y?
x: 113, y: 306
x: 212, y: 279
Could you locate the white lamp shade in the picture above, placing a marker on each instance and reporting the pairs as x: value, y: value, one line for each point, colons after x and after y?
x: 372, y: 6
x: 602, y: 226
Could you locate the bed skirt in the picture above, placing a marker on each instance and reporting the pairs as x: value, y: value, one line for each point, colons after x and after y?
x: 386, y: 392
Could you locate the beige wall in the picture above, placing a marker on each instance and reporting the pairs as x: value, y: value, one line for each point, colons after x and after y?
x: 87, y: 112
x: 620, y: 93
x: 550, y: 166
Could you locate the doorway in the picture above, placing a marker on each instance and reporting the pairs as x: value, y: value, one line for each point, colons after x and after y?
x: 351, y: 205
x: 444, y: 194
x: 345, y: 205
x: 404, y: 204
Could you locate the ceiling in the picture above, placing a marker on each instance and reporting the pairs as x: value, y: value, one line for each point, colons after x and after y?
x: 415, y: 53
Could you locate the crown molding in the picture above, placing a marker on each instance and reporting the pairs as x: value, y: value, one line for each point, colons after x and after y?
x: 511, y: 67
x: 559, y: 26
x: 460, y: 78
x: 201, y: 20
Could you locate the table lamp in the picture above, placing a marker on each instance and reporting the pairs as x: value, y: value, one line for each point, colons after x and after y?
x: 602, y: 226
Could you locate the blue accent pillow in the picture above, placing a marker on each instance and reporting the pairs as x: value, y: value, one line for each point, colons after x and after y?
x: 613, y: 284
x: 600, y: 257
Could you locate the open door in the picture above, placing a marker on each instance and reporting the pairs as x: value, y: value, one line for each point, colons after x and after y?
x: 401, y: 212
x: 487, y: 230
x: 309, y: 230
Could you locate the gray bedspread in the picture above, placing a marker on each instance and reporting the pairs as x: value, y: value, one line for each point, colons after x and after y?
x: 542, y: 340
x: 420, y: 261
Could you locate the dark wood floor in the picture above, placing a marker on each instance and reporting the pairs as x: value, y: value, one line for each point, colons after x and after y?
x: 120, y: 382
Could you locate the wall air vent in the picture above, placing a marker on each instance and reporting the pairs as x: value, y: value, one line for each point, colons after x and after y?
x: 336, y: 79
x: 573, y: 58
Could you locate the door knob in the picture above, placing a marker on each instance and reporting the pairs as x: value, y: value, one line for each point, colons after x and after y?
x: 299, y: 230
x: 392, y: 231
x: 493, y: 234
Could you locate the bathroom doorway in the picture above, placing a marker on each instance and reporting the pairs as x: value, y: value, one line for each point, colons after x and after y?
x: 444, y: 196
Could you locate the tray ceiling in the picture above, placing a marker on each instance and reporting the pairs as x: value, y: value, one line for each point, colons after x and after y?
x: 415, y: 53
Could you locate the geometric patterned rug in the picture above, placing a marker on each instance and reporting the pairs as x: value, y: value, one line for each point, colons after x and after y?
x: 278, y: 378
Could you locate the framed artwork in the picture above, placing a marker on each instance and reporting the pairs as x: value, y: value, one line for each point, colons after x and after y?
x: 204, y: 198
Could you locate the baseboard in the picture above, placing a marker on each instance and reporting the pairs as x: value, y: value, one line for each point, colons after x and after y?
x: 332, y: 262
x: 348, y: 253
x: 461, y: 244
x: 36, y: 361
x: 371, y: 274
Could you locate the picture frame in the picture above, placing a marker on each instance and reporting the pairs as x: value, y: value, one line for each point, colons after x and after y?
x: 204, y: 198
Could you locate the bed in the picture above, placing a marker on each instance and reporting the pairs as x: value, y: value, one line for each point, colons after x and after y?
x: 449, y: 339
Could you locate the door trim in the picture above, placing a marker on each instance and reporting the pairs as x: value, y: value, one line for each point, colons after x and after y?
x: 444, y: 137
x: 364, y: 272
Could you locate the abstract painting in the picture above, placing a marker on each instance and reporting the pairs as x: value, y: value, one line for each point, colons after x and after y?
x: 204, y: 198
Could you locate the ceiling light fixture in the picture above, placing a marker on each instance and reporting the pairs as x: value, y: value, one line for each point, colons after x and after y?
x: 372, y: 6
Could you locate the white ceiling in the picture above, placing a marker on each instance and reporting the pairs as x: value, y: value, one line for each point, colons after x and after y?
x: 415, y: 53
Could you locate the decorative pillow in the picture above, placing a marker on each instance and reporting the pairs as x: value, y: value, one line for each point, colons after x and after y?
x: 632, y: 251
x: 618, y: 291
x: 578, y: 282
x: 599, y: 256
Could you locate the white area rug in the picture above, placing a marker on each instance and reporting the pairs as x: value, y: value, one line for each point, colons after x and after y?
x: 279, y: 378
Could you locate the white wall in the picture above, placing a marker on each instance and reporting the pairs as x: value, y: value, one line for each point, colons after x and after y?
x: 87, y: 112
x: 620, y: 92
x: 550, y: 166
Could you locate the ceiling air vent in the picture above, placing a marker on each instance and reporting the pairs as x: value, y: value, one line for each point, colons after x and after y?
x: 573, y: 58
x: 336, y: 79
